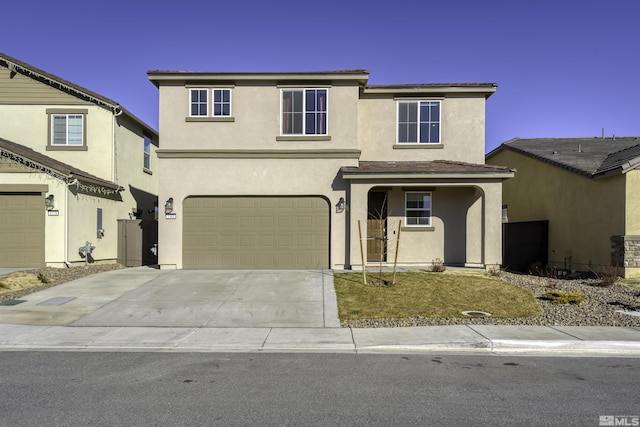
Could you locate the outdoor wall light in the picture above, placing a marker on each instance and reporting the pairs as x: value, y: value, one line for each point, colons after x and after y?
x: 340, y: 205
x: 168, y: 207
x: 48, y: 202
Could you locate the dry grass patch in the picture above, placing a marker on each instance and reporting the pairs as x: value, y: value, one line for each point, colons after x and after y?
x: 428, y: 294
x: 18, y: 281
x: 21, y: 283
x: 632, y: 283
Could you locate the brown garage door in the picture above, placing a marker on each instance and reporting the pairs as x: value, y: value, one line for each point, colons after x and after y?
x: 21, y: 230
x: 255, y: 233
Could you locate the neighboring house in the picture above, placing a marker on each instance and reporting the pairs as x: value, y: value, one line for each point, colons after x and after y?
x: 587, y: 190
x: 72, y: 165
x: 283, y: 170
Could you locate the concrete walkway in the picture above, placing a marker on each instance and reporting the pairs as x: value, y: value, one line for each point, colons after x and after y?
x: 145, y: 309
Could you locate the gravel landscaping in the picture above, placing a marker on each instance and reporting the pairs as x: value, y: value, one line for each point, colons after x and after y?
x: 598, y: 307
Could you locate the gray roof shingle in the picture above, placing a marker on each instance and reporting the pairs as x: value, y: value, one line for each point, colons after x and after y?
x: 63, y: 170
x: 425, y: 167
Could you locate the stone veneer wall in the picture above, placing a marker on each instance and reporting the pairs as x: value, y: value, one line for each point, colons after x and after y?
x: 625, y: 251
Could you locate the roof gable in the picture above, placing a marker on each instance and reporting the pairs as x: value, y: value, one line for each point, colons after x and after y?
x: 16, y: 66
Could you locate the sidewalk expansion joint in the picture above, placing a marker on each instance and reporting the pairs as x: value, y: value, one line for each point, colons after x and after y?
x: 566, y: 333
x: 264, y: 342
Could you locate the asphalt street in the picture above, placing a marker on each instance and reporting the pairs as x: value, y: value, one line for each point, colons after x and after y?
x: 135, y: 389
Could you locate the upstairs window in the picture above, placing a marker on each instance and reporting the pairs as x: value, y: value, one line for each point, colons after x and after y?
x: 214, y: 104
x: 199, y: 102
x: 221, y: 102
x: 147, y: 153
x: 304, y: 112
x: 418, y: 208
x: 67, y: 129
x: 419, y: 122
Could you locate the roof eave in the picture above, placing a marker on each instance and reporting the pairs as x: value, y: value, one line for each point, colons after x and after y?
x: 157, y: 76
x: 632, y: 164
x: 487, y: 91
x: 433, y: 175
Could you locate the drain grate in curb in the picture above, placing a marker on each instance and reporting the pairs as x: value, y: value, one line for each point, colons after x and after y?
x: 57, y: 301
x: 476, y: 314
x: 13, y: 302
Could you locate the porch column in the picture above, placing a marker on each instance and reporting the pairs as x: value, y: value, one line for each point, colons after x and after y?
x: 358, y: 212
x: 492, y: 232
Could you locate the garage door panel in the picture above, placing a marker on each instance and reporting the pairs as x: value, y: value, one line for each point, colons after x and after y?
x: 229, y: 203
x: 229, y: 222
x: 305, y: 241
x: 256, y: 232
x: 285, y: 242
x: 247, y: 241
x: 247, y: 222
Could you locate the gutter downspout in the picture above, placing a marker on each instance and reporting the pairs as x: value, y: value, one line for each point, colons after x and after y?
x: 114, y: 170
x: 66, y: 223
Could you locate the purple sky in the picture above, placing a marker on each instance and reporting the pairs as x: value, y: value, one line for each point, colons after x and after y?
x: 564, y: 68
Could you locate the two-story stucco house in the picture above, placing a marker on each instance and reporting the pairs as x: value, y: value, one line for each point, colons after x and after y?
x: 297, y: 170
x: 72, y: 164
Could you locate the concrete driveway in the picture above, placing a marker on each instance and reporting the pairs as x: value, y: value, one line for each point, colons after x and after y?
x: 222, y: 299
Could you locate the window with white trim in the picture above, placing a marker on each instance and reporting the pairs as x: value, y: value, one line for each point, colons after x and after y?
x: 147, y: 153
x: 419, y: 122
x: 221, y: 102
x: 67, y: 129
x: 199, y: 105
x: 204, y: 104
x: 304, y: 112
x: 418, y: 208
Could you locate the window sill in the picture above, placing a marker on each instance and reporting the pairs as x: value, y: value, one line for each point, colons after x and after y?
x: 67, y: 148
x: 418, y: 228
x: 210, y: 119
x: 424, y: 145
x: 147, y: 171
x: 303, y: 138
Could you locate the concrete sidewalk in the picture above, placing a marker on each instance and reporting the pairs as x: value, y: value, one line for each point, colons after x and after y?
x: 144, y: 309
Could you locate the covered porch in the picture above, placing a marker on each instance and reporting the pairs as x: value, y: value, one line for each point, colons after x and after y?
x: 423, y: 212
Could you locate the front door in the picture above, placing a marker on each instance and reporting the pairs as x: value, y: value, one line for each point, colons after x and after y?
x: 377, y: 227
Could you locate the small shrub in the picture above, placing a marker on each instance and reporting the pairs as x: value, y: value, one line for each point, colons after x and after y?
x: 494, y: 271
x: 42, y: 278
x: 561, y: 297
x: 536, y: 268
x: 608, y: 276
x: 437, y: 266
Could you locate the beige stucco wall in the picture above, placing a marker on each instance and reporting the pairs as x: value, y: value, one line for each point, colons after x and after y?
x: 462, y: 131
x: 256, y: 111
x: 632, y: 203
x: 141, y: 186
x: 28, y: 125
x: 460, y: 232
x: 181, y: 178
x: 83, y: 227
x: 583, y: 213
